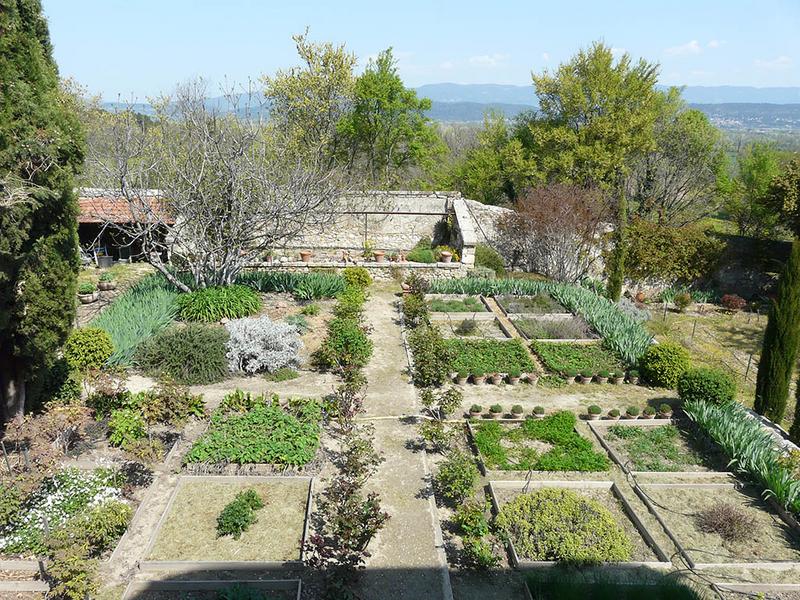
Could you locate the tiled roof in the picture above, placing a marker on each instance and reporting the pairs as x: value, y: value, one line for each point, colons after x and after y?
x: 105, y: 207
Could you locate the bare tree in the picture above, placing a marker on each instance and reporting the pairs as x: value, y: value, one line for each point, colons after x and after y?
x: 206, y: 189
x: 555, y: 230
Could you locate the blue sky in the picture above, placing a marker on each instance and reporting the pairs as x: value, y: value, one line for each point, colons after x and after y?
x: 143, y: 47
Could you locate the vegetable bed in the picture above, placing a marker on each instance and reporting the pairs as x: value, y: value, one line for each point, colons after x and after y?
x: 566, y: 357
x: 539, y: 304
x: 488, y: 356
x: 554, y: 329
x: 469, y: 304
x: 547, y: 444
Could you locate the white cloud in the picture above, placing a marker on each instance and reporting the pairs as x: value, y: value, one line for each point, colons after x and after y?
x: 446, y: 65
x: 715, y: 43
x: 776, y: 64
x: 688, y: 48
x: 617, y: 52
x: 545, y: 56
x: 488, y: 60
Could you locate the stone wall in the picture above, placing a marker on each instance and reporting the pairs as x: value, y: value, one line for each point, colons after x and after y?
x: 379, y: 271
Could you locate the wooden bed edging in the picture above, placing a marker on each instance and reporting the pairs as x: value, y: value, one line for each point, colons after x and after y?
x: 138, y: 586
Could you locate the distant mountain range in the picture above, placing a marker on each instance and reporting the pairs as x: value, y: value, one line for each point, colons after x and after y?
x: 728, y: 107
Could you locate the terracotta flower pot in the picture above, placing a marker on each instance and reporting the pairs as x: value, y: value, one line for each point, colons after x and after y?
x: 640, y: 297
x: 618, y: 380
x: 88, y: 298
x: 495, y: 415
x: 532, y: 378
x: 602, y: 379
x: 478, y: 379
x: 379, y: 254
x: 612, y: 417
x: 513, y: 380
x: 584, y: 380
x: 496, y: 379
x: 666, y: 415
x: 446, y: 257
x: 461, y: 380
x: 305, y: 255
x: 474, y: 414
x: 107, y: 286
x: 633, y: 380
x: 593, y: 417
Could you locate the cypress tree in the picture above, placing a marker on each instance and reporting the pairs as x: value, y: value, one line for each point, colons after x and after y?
x: 781, y: 338
x: 41, y: 148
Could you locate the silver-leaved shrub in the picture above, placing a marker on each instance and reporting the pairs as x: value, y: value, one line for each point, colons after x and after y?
x: 260, y: 344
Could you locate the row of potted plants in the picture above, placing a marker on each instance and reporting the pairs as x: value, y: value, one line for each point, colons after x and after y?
x: 379, y: 256
x: 513, y: 377
x: 496, y: 412
x: 88, y: 292
x: 586, y: 377
x: 664, y: 411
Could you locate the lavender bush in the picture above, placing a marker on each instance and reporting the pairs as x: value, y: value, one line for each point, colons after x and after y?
x: 260, y: 344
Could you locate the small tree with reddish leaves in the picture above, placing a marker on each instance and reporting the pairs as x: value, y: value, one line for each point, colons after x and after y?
x: 556, y: 230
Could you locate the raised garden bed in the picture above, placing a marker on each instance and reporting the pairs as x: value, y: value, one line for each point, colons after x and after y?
x: 577, y: 357
x: 569, y: 328
x: 644, y: 550
x: 769, y: 541
x: 489, y: 356
x: 676, y: 446
x: 538, y: 304
x: 547, y: 444
x: 447, y: 303
x: 256, y: 589
x: 186, y: 537
x: 471, y: 329
x: 765, y: 591
x: 567, y: 585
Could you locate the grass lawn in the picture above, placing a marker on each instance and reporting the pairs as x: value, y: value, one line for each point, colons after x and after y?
x: 189, y: 531
x: 768, y: 539
x: 469, y: 304
x: 548, y: 444
x: 664, y: 448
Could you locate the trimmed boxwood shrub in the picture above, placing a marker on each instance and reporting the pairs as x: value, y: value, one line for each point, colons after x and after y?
x: 663, y: 364
x: 708, y: 385
x: 357, y: 276
x: 431, y: 356
x: 559, y: 524
x: 215, y: 303
x: 88, y: 348
x: 488, y: 257
x: 194, y: 354
x: 347, y: 345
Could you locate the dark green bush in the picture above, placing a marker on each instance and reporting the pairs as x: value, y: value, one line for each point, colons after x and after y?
x: 190, y: 355
x: 488, y: 257
x: 471, y: 519
x: 350, y: 303
x: 347, y: 345
x: 239, y: 514
x: 663, y: 364
x: 431, y: 356
x: 456, y: 477
x: 708, y: 385
x: 88, y: 348
x: 415, y: 310
x: 125, y: 426
x: 421, y: 255
x: 215, y: 303
x: 560, y: 524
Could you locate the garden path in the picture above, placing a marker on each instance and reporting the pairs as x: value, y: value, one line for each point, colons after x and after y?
x: 407, y: 558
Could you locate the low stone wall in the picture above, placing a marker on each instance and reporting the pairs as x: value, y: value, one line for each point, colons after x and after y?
x: 379, y: 271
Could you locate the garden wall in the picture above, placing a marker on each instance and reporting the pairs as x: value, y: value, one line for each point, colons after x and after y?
x: 379, y: 271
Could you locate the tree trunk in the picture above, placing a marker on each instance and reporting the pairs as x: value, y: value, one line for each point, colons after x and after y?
x: 12, y: 382
x: 780, y: 346
x: 616, y: 277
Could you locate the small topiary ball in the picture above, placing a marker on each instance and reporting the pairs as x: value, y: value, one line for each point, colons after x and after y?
x: 708, y: 385
x: 88, y: 348
x: 357, y: 276
x: 663, y: 364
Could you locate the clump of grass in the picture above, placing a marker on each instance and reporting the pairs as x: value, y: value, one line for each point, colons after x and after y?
x: 730, y: 522
x: 282, y: 374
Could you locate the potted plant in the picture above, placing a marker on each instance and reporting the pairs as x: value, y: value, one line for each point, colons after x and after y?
x: 106, y: 282
x: 514, y: 375
x: 379, y: 254
x: 496, y: 378
x: 495, y: 411
x: 305, y: 255
x: 632, y: 412
x: 586, y: 377
x: 478, y: 377
x: 617, y: 378
x: 602, y: 376
x: 633, y: 377
x: 532, y: 378
x: 475, y: 410
x: 594, y: 412
x: 649, y: 412
x: 516, y: 411
x: 461, y: 377
x: 87, y: 293
x: 640, y: 297
x: 538, y: 412
x: 445, y: 256
x: 613, y: 414
x: 664, y: 411
x: 570, y: 375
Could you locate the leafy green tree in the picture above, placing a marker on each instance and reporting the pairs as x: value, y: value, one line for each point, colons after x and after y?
x: 758, y: 165
x: 597, y: 116
x: 683, y: 178
x: 41, y: 148
x: 386, y: 132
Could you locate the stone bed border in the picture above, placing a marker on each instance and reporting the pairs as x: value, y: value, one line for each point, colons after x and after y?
x: 482, y: 465
x: 754, y: 588
x: 603, y: 423
x: 141, y: 585
x: 23, y: 585
x: 790, y: 522
x: 663, y: 561
x: 211, y: 565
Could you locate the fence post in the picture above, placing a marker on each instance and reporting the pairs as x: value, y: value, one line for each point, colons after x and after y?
x: 694, y: 328
x: 749, y: 362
